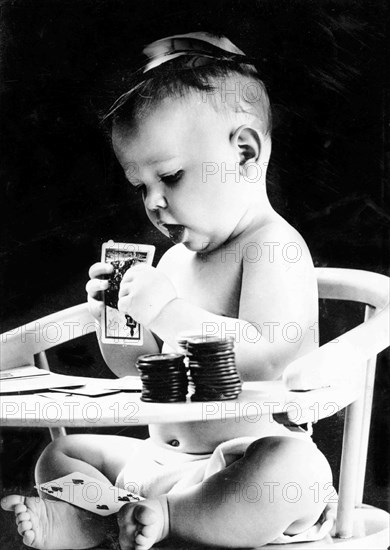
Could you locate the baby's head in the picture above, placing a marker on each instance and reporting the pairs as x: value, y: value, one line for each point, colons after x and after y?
x: 196, y: 142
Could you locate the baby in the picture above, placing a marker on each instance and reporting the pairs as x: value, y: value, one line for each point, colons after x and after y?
x: 193, y: 136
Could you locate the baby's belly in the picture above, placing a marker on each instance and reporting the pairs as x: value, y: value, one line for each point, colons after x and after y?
x: 203, y: 437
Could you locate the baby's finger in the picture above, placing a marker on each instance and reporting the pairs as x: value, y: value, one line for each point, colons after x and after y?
x: 100, y: 269
x: 95, y: 288
x: 124, y: 289
x: 134, y: 271
x: 129, y: 275
x: 124, y: 304
x: 96, y: 308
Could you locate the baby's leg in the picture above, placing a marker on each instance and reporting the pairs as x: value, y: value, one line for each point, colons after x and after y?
x: 46, y: 523
x: 279, y: 486
x: 99, y: 456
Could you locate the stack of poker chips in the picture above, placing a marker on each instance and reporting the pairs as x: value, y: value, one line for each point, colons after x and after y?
x: 212, y: 368
x: 164, y: 377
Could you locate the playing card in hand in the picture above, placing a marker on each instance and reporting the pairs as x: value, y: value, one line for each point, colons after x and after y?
x: 120, y: 328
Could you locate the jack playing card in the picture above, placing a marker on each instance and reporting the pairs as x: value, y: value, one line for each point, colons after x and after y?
x: 119, y: 328
x: 89, y: 493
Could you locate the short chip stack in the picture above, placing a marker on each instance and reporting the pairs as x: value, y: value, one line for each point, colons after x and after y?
x: 213, y: 368
x: 164, y: 377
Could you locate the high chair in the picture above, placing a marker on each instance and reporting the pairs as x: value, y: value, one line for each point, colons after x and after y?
x: 340, y: 372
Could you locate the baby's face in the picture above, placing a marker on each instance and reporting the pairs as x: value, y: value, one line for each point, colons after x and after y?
x: 179, y: 158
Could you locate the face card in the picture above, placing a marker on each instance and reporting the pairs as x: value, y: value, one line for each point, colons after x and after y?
x: 119, y: 328
x: 88, y: 493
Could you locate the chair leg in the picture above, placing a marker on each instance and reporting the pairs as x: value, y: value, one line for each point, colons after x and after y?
x: 349, y: 468
x: 56, y: 432
x: 42, y: 363
x: 366, y: 421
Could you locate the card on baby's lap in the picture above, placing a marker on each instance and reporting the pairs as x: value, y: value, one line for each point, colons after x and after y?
x: 119, y: 328
x: 88, y: 493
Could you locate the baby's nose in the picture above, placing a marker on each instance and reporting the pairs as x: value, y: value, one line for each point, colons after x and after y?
x: 155, y: 201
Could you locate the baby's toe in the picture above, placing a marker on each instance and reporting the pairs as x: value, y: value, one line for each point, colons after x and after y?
x: 11, y: 502
x: 148, y: 530
x: 24, y: 516
x: 24, y: 526
x: 145, y: 515
x: 142, y: 542
x: 28, y: 538
x: 20, y: 509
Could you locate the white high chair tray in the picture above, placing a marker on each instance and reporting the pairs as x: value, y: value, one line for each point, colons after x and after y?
x: 52, y: 409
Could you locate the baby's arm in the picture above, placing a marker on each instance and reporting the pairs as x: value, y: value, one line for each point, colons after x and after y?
x: 119, y: 358
x: 277, y: 308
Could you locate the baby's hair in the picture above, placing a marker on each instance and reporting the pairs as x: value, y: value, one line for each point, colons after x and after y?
x: 229, y: 86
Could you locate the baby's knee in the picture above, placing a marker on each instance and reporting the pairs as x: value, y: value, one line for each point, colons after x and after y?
x: 290, y: 460
x: 293, y: 473
x: 61, y: 446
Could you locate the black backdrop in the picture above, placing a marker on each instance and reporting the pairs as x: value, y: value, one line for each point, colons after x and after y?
x: 63, y: 194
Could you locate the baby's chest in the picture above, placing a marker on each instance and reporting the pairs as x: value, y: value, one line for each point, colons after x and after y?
x: 210, y: 284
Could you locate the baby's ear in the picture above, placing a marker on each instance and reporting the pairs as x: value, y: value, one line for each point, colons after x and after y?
x: 248, y: 144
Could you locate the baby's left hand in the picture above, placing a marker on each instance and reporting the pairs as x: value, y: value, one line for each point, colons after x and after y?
x: 144, y: 292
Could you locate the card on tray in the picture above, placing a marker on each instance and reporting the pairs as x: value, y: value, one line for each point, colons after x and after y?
x: 119, y: 328
x: 88, y: 493
x: 33, y: 383
x: 89, y: 390
x: 22, y: 372
x: 101, y: 387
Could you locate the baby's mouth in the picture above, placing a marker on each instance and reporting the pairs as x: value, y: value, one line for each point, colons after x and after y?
x: 176, y: 231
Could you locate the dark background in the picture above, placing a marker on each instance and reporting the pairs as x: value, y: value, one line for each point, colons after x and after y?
x: 63, y: 194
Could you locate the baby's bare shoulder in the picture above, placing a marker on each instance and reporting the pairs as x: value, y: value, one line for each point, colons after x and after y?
x: 278, y: 240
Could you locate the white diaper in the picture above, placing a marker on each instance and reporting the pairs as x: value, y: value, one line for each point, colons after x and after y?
x: 154, y: 470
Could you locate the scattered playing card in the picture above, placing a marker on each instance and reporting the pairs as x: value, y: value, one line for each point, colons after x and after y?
x: 90, y: 390
x: 88, y: 493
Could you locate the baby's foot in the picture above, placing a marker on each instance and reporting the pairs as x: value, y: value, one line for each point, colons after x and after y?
x: 54, y: 525
x: 143, y: 524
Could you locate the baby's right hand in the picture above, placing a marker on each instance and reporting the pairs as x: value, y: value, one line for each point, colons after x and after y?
x: 96, y: 286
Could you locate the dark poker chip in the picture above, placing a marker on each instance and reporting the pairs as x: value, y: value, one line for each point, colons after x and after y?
x: 218, y: 370
x: 160, y: 358
x: 163, y: 399
x: 216, y: 384
x: 219, y: 397
x: 216, y: 378
x: 227, y: 368
x: 164, y: 377
x: 216, y: 395
x: 164, y: 390
x: 149, y: 392
x: 212, y: 358
x: 217, y: 389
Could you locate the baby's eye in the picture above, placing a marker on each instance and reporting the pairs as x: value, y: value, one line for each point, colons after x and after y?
x: 171, y: 179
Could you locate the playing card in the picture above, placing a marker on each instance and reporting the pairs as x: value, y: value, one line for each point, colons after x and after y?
x: 90, y: 390
x: 119, y: 328
x: 88, y: 493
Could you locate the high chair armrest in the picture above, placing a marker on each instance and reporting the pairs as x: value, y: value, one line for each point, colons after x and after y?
x: 19, y: 345
x: 341, y: 362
